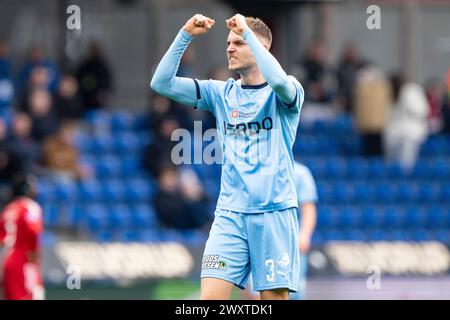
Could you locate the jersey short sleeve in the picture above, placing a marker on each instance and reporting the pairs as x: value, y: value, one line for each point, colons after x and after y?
x: 209, y: 94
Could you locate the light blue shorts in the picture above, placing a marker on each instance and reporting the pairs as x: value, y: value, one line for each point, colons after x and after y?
x: 265, y: 244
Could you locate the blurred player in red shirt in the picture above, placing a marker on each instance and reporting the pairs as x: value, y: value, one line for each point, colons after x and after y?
x: 20, y: 229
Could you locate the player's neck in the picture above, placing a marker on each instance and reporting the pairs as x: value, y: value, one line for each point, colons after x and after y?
x: 251, y: 77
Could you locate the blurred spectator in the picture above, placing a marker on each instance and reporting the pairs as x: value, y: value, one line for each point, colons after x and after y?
x: 6, y: 83
x: 160, y: 109
x: 36, y: 59
x: 434, y: 91
x: 315, y: 75
x: 348, y: 68
x: 10, y: 164
x: 60, y: 155
x: 43, y: 118
x: 67, y: 102
x: 158, y: 153
x: 21, y: 141
x: 94, y: 78
x: 407, y: 127
x: 371, y: 109
x: 180, y: 201
x: 38, y: 80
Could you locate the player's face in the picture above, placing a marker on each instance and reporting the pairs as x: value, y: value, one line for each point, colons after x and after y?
x: 239, y: 54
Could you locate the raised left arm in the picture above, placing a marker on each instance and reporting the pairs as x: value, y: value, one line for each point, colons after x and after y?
x: 270, y: 68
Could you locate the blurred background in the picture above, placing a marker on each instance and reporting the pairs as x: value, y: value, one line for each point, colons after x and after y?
x: 76, y: 110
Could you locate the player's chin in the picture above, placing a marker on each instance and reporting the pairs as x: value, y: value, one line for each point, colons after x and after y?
x: 233, y: 66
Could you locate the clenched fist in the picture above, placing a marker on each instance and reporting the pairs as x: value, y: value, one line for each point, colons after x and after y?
x: 198, y: 24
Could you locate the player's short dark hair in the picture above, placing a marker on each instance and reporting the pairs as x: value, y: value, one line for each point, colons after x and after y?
x: 259, y: 27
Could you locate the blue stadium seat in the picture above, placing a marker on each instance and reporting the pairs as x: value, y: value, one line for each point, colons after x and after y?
x: 126, y: 143
x: 129, y: 236
x: 105, y: 236
x: 436, y: 145
x: 445, y: 193
x: 113, y: 190
x: 415, y: 217
x: 356, y: 235
x: 344, y: 192
x: 343, y: 124
x: 107, y: 166
x: 394, y: 171
x: 429, y: 192
x: 377, y: 168
x: 143, y: 216
x: 97, y: 217
x: 436, y: 217
x: 46, y: 191
x: 350, y: 217
x: 326, y: 146
x: 317, y: 165
x: 317, y: 238
x: 89, y: 190
x: 66, y: 192
x: 386, y: 192
x: 123, y: 121
x: 420, y: 235
x: 119, y: 217
x: 395, y: 217
x: 441, y: 167
x: 351, y: 145
x: 378, y: 235
x: 399, y: 235
x: 325, y: 192
x: 327, y: 217
x: 364, y: 192
x: 102, y: 143
x: 149, y: 236
x: 333, y: 234
x: 336, y: 168
x: 306, y: 145
x: 442, y: 235
x: 358, y: 168
x: 423, y: 169
x: 129, y: 165
x: 194, y: 237
x: 76, y: 214
x: 408, y: 192
x: 99, y: 119
x: 139, y: 190
x: 212, y: 187
x: 167, y: 235
x: 141, y: 122
x: 50, y: 214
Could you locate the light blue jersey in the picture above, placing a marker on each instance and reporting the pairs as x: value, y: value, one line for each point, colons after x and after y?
x: 256, y: 128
